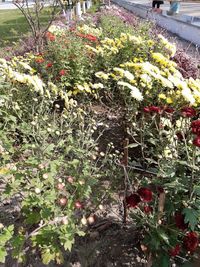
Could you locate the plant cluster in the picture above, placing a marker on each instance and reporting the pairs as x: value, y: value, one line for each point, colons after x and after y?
x: 50, y: 163
x: 49, y: 155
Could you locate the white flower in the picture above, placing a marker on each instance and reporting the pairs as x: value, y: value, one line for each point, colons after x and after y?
x: 128, y: 75
x: 97, y: 85
x: 135, y: 92
x: 119, y: 70
x: 145, y: 78
x: 187, y: 94
x: 102, y: 75
x: 37, y: 190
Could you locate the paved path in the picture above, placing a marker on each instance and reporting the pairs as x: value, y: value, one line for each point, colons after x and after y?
x: 9, y: 5
x: 187, y: 8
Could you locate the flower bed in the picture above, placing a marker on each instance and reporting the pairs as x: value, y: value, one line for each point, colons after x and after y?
x: 50, y: 156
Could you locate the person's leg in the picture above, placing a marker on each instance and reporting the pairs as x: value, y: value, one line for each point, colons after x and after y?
x: 158, y: 10
x: 174, y: 8
x: 177, y: 8
x: 154, y: 5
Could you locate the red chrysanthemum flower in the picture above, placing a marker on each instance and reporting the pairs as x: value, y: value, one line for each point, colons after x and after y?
x: 145, y: 194
x: 90, y: 37
x: 146, y: 109
x: 188, y: 112
x: 49, y: 65
x: 39, y: 54
x: 196, y: 141
x: 133, y: 200
x: 80, y: 35
x: 196, y: 130
x: 195, y: 123
x: 50, y: 36
x: 148, y: 209
x: 62, y: 72
x: 191, y: 241
x: 179, y: 220
x: 39, y: 60
x: 169, y: 110
x: 175, y: 251
x: 196, y: 127
x: 155, y: 109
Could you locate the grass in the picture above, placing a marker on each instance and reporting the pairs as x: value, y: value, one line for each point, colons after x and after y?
x: 13, y: 25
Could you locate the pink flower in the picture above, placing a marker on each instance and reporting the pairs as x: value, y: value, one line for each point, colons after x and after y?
x: 145, y: 194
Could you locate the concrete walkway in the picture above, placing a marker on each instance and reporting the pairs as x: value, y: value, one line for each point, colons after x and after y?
x: 187, y: 8
x: 186, y: 24
x: 10, y: 5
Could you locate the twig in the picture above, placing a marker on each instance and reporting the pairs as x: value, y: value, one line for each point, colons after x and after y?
x: 125, y: 161
x: 137, y: 169
x: 161, y: 205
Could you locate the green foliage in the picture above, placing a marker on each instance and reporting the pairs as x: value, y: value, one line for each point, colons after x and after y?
x: 192, y: 217
x: 47, y: 155
x: 5, y: 235
x: 67, y: 53
x: 13, y: 25
x: 48, y: 143
x: 113, y: 26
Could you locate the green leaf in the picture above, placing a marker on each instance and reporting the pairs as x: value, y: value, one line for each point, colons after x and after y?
x: 3, y: 254
x: 49, y: 148
x: 68, y: 244
x: 47, y: 256
x: 187, y: 264
x: 197, y: 190
x: 45, y: 213
x: 162, y: 261
x: 165, y: 261
x: 32, y: 218
x: 6, y: 235
x: 80, y: 233
x: 74, y: 163
x: 163, y: 236
x: 191, y: 217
